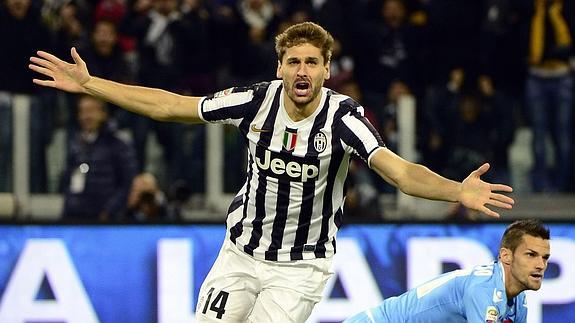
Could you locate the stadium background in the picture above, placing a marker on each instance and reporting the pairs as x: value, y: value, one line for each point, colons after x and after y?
x: 118, y: 265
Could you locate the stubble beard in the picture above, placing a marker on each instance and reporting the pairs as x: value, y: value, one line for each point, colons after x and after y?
x: 533, y: 285
x: 299, y: 103
x: 527, y: 284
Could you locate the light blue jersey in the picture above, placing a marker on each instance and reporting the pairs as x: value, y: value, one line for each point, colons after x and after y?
x: 474, y: 296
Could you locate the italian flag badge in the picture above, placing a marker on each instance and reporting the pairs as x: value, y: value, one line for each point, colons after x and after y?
x: 290, y: 138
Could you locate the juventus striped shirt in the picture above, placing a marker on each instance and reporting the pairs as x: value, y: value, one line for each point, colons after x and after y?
x: 291, y: 204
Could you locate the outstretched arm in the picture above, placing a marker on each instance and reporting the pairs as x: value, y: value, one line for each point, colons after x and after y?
x: 418, y: 180
x: 75, y: 78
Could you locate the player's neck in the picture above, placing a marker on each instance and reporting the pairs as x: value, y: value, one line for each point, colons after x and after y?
x: 512, y: 286
x: 298, y: 112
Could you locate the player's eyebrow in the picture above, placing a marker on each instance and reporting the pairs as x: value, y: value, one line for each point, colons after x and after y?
x: 547, y: 255
x: 307, y: 59
x: 293, y: 59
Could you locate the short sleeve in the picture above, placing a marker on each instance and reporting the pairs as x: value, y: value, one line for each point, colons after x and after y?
x: 359, y: 134
x: 229, y: 106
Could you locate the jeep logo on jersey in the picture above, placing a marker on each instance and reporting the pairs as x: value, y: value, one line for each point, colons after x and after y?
x: 319, y: 142
x: 287, y: 167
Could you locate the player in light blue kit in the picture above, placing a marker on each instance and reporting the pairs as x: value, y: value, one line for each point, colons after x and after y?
x: 489, y: 293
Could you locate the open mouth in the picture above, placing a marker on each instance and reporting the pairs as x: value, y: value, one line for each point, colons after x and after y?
x: 537, y: 276
x: 302, y: 88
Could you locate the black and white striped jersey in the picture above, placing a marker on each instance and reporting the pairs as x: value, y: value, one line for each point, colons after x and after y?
x: 291, y: 204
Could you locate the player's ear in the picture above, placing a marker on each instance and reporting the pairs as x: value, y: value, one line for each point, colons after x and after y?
x: 279, y: 70
x: 505, y: 256
x: 327, y: 71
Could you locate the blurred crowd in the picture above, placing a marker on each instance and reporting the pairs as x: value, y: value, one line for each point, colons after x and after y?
x: 478, y: 69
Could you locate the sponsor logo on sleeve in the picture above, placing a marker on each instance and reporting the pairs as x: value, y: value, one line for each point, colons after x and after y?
x: 223, y: 92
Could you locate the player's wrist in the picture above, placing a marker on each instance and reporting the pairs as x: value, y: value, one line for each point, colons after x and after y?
x: 89, y: 85
x: 459, y: 192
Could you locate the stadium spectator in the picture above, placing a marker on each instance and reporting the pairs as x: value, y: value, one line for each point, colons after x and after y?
x: 19, y: 18
x: 341, y: 68
x: 387, y: 115
x: 470, y: 122
x: 437, y: 117
x: 116, y: 12
x: 22, y: 31
x: 468, y: 129
x: 500, y: 51
x: 487, y: 293
x: 248, y: 31
x: 99, y: 168
x: 499, y: 109
x: 549, y: 91
x: 449, y: 39
x: 105, y: 55
x: 199, y: 68
x: 70, y: 28
x: 107, y: 60
x: 282, y: 224
x: 146, y: 202
x: 110, y: 10
x: 385, y: 52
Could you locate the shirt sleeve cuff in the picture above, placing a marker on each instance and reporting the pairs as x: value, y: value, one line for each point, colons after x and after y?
x: 199, y: 107
x: 372, y: 153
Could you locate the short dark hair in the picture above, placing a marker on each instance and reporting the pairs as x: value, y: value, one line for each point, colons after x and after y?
x: 515, y: 231
x: 302, y: 33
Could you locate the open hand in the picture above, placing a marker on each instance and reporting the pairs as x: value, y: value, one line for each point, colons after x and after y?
x: 64, y: 76
x: 476, y: 194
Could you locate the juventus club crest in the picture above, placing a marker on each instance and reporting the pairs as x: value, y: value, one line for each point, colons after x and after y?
x: 290, y: 139
x: 319, y: 142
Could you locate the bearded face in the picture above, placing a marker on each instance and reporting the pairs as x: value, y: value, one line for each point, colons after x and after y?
x: 303, y: 72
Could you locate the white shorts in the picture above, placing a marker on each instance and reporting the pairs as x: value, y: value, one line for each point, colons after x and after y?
x: 240, y: 288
